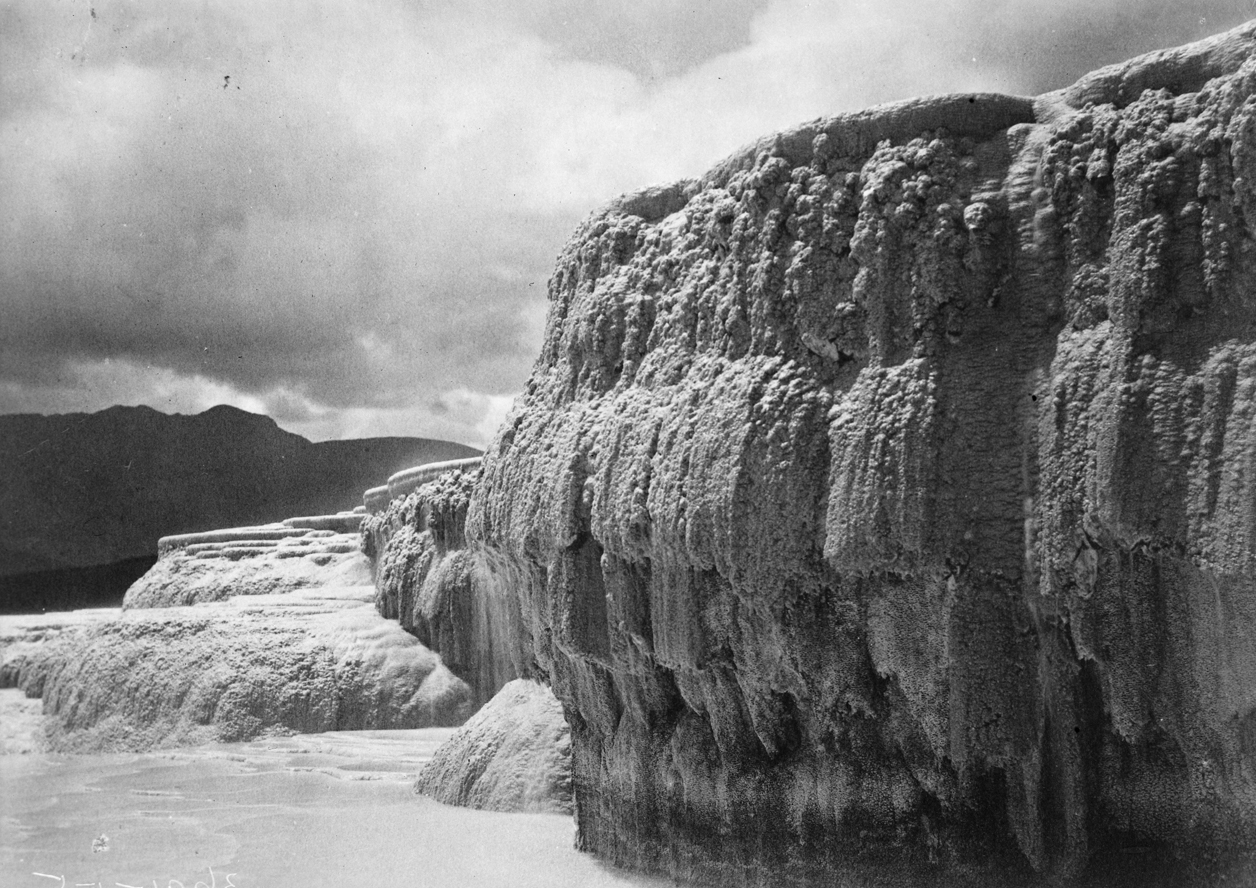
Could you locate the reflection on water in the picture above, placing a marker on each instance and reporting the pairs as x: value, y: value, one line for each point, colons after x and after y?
x: 306, y: 811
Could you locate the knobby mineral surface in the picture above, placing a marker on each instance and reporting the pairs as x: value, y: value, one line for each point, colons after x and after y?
x: 233, y: 634
x: 888, y: 494
x: 512, y: 755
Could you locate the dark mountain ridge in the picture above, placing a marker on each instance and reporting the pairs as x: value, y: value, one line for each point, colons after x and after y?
x: 90, y: 489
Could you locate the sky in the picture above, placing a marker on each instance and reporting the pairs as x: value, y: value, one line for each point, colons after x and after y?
x: 344, y: 214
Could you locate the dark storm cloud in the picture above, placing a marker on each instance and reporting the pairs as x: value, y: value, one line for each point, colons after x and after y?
x: 344, y: 214
x: 196, y: 190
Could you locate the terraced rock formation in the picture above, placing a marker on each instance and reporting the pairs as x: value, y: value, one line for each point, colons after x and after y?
x: 267, y: 559
x: 883, y: 503
x: 232, y: 635
x: 881, y: 510
x: 307, y: 661
x: 83, y: 490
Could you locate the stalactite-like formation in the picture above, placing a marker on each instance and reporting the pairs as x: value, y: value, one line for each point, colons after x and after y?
x: 889, y: 493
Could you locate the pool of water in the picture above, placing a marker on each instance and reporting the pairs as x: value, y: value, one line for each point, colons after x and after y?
x: 296, y: 812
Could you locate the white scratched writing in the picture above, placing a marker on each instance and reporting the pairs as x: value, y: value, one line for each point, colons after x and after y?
x: 170, y: 883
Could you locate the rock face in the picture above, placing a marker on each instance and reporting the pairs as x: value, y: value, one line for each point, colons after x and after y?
x: 887, y: 496
x: 512, y: 755
x: 463, y: 602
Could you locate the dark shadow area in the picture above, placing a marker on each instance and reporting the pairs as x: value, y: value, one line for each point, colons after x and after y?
x: 71, y: 588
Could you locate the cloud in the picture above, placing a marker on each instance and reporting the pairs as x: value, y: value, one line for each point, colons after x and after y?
x: 652, y: 39
x: 345, y: 213
x: 83, y: 386
x: 205, y: 190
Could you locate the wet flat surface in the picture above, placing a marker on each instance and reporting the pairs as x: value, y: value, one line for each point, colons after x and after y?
x: 305, y: 811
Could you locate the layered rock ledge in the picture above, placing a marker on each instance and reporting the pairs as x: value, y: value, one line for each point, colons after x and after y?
x: 233, y: 634
x: 882, y: 504
x: 268, y: 559
x: 303, y: 662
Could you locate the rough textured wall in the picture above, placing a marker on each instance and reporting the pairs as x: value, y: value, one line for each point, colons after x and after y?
x: 512, y: 755
x: 892, y: 489
x: 463, y: 602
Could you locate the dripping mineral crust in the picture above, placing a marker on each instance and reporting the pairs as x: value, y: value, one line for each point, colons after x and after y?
x: 888, y: 494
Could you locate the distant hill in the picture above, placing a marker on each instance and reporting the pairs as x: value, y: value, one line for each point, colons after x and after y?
x: 85, y: 490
